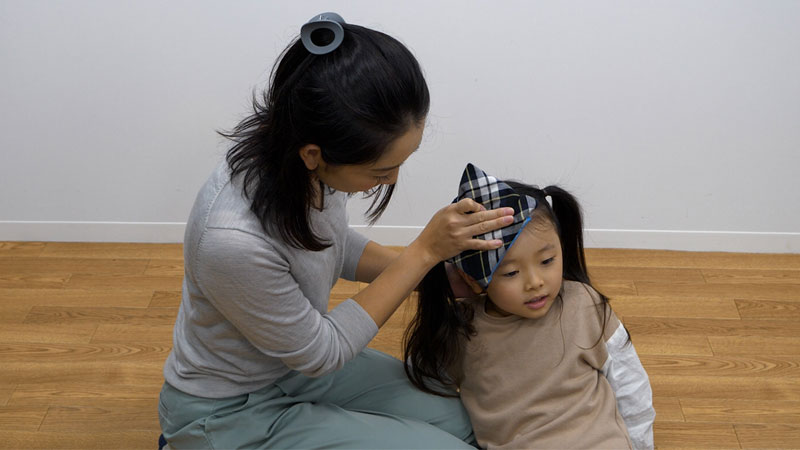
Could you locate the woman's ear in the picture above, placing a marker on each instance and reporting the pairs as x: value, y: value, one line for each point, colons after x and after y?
x: 311, y: 155
x: 476, y: 288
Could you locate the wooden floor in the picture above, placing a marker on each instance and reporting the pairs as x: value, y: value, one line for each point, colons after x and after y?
x: 85, y: 328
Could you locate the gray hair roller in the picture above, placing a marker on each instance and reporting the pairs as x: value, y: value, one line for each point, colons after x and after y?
x: 329, y: 21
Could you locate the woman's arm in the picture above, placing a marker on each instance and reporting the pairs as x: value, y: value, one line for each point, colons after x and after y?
x: 631, y: 386
x: 374, y: 260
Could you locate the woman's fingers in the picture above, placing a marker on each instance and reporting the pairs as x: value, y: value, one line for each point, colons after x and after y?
x: 480, y: 244
x: 453, y: 229
x: 490, y: 225
x: 468, y: 206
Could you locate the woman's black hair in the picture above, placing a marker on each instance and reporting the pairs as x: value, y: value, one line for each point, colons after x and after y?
x: 434, y: 337
x: 352, y: 103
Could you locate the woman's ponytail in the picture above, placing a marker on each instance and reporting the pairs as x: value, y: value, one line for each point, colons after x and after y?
x: 433, y: 338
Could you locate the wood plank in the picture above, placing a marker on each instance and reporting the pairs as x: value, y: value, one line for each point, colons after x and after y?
x: 740, y: 411
x: 732, y: 388
x: 111, y: 250
x: 613, y: 289
x: 691, y: 308
x: 22, y: 418
x: 768, y: 309
x: 638, y: 326
x: 131, y: 415
x: 722, y: 366
x: 81, y: 394
x: 165, y: 299
x: 34, y: 281
x: 132, y: 334
x: 77, y: 297
x: 36, y: 265
x: 12, y: 313
x: 165, y: 268
x: 21, y: 249
x: 5, y: 393
x: 54, y: 334
x: 672, y: 345
x: 668, y: 409
x: 133, y: 440
x: 768, y: 435
x: 138, y: 373
x: 100, y: 315
x: 696, y: 435
x: 346, y: 287
x: 655, y: 274
x: 751, y: 276
x: 110, y: 353
x: 115, y: 281
x: 755, y: 345
x: 736, y: 291
x: 691, y: 260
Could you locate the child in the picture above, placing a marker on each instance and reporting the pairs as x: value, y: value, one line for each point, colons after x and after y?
x: 540, y: 359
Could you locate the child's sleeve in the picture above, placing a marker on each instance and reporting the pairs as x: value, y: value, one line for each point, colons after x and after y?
x: 631, y: 386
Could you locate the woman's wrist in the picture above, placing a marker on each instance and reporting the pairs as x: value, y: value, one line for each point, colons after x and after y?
x: 426, y: 258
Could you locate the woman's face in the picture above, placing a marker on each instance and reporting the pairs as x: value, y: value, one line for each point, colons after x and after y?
x: 363, y: 177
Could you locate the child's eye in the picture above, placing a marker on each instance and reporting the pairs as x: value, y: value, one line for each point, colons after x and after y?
x: 511, y: 274
x: 382, y: 178
x: 548, y: 261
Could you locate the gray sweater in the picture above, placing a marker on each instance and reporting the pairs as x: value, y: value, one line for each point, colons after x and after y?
x: 255, y: 308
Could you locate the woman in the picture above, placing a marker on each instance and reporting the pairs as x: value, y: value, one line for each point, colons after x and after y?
x: 258, y: 361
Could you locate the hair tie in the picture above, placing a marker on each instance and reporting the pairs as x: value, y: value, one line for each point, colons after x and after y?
x: 317, y: 28
x: 548, y: 198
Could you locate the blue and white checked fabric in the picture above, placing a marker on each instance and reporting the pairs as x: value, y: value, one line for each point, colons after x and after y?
x: 492, y: 194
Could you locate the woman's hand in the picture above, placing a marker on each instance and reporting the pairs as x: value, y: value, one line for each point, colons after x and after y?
x: 452, y: 229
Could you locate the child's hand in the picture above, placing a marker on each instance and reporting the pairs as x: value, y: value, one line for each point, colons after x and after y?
x: 453, y: 229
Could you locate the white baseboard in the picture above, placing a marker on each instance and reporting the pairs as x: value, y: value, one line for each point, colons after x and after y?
x: 155, y: 232
x: 697, y: 241
x: 167, y: 232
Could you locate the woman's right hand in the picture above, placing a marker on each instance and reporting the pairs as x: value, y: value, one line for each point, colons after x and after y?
x: 453, y: 228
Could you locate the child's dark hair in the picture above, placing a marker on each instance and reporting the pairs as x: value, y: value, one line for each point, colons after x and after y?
x: 352, y: 103
x: 432, y: 341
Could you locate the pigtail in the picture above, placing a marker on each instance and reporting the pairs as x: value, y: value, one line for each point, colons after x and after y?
x: 433, y: 338
x: 568, y: 219
x: 566, y: 212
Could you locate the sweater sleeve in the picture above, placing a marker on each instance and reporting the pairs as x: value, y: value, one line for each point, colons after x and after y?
x: 250, y: 284
x: 631, y: 386
x: 353, y: 249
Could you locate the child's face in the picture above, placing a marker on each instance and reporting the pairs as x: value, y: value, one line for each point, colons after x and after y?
x: 528, y: 279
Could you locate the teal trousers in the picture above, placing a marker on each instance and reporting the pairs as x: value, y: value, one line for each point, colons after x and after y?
x: 369, y: 403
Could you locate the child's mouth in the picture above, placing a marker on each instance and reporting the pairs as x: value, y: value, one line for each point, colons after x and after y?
x: 536, y: 303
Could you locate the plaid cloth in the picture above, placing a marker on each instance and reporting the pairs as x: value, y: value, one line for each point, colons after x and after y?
x: 492, y: 194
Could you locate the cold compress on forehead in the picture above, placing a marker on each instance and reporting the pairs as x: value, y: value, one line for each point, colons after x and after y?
x: 492, y: 194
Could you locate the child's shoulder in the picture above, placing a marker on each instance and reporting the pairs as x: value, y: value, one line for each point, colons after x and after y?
x: 583, y: 304
x: 580, y: 292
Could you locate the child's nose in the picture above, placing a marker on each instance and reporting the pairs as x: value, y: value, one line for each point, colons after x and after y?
x: 535, y: 281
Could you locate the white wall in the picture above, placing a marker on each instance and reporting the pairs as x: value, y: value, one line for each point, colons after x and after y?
x: 677, y: 123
